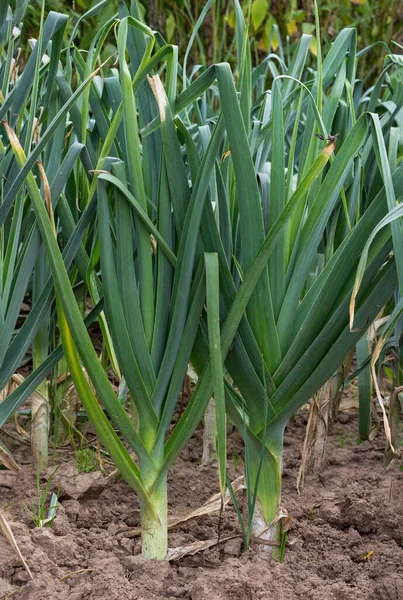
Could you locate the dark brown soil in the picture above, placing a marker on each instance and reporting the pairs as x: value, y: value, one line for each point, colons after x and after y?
x: 353, y: 510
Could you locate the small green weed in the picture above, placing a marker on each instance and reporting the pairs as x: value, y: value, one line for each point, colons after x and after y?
x: 87, y: 460
x: 340, y: 441
x: 40, y: 515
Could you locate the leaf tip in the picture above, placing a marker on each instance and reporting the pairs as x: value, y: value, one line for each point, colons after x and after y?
x: 329, y: 148
x: 159, y: 93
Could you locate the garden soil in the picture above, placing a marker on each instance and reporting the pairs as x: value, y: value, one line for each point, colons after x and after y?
x: 345, y: 538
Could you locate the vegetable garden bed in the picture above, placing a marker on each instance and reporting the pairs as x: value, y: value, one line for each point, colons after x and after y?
x: 352, y: 511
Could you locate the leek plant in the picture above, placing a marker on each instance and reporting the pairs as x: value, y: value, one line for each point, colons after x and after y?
x: 389, y: 337
x: 299, y: 326
x: 195, y: 221
x: 157, y: 273
x: 21, y: 257
x: 389, y: 327
x: 154, y: 290
x: 33, y: 104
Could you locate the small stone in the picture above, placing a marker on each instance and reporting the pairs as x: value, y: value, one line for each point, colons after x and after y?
x: 344, y: 418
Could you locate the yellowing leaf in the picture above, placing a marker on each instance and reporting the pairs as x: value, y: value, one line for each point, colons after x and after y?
x: 312, y: 47
x: 263, y: 42
x: 231, y: 20
x: 259, y: 12
x: 274, y: 41
x: 268, y: 30
x: 292, y: 28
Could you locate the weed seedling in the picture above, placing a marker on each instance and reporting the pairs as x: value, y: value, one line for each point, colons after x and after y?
x: 39, y: 514
x: 340, y: 441
x: 87, y: 460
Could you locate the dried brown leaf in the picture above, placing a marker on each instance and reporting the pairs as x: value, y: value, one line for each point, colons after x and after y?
x: 199, y: 546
